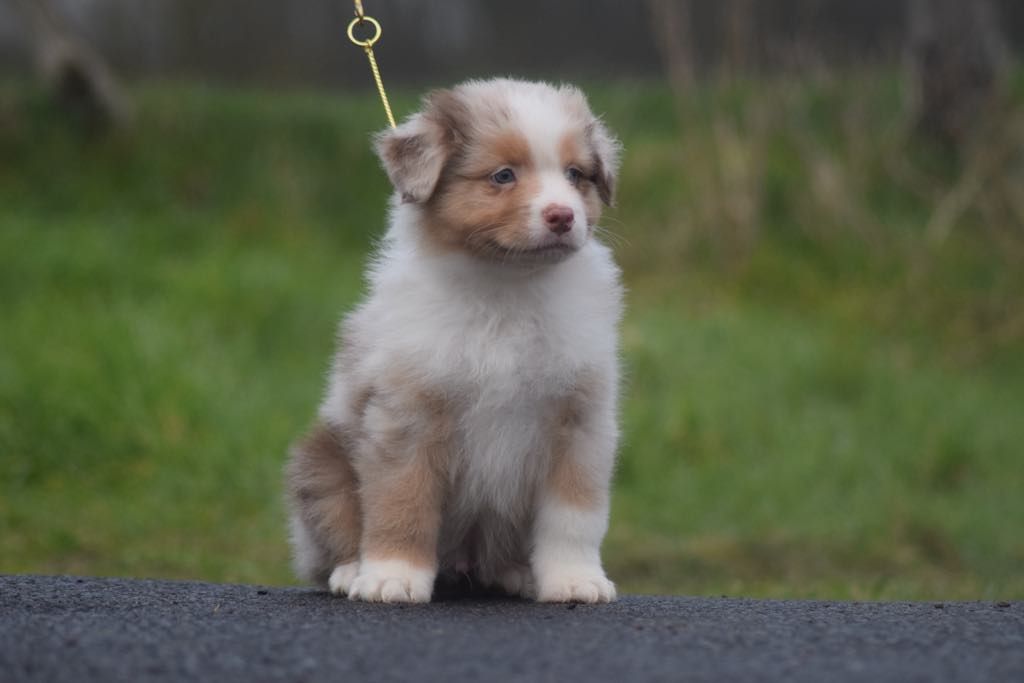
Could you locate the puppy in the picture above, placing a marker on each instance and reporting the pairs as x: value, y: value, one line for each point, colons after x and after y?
x: 469, y: 425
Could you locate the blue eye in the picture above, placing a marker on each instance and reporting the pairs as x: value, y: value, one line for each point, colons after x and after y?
x: 504, y: 176
x: 574, y: 175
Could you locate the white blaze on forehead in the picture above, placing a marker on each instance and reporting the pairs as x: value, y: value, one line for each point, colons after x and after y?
x: 544, y: 122
x: 541, y: 113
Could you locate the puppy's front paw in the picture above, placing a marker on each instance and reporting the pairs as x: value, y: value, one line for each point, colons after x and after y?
x: 576, y: 584
x: 342, y: 577
x: 392, y: 581
x: 517, y: 580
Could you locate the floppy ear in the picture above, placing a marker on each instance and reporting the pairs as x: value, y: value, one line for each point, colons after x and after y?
x: 414, y: 153
x: 606, y: 153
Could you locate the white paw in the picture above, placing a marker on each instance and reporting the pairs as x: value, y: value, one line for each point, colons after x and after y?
x: 342, y: 577
x: 517, y: 580
x: 392, y: 581
x: 575, y: 585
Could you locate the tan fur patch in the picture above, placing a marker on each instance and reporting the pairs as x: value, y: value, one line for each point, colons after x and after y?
x: 470, y: 212
x: 606, y: 154
x: 571, y: 151
x: 323, y: 487
x: 574, y: 151
x: 593, y: 205
x: 570, y: 479
x: 508, y: 148
x: 403, y: 476
x: 447, y: 110
x: 572, y: 483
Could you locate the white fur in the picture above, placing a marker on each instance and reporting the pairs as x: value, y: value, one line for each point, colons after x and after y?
x: 342, y: 578
x: 505, y: 343
x: 391, y: 581
x: 543, y: 132
x: 517, y: 580
x: 555, y: 189
x: 566, y: 556
x: 307, y: 555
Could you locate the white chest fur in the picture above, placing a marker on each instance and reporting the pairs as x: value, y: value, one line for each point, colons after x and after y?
x: 503, y: 346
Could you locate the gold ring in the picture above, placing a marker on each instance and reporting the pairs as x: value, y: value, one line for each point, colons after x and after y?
x: 369, y: 42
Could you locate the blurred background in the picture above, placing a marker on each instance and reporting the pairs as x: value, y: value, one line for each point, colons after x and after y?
x: 820, y: 220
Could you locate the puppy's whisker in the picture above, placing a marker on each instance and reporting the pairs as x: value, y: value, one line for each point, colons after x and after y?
x: 490, y: 227
x: 613, y: 221
x: 612, y: 238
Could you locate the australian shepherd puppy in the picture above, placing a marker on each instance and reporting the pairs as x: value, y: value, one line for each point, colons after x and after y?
x: 469, y: 425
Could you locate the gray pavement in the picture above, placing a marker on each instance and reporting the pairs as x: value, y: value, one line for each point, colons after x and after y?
x: 82, y: 630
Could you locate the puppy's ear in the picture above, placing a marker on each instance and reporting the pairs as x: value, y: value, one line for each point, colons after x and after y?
x: 607, y: 150
x: 414, y: 153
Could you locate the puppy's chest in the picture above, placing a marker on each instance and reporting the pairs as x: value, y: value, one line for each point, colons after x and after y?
x: 502, y: 444
x: 509, y: 350
x: 507, y: 376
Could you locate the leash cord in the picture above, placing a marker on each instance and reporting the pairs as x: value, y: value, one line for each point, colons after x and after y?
x: 367, y: 45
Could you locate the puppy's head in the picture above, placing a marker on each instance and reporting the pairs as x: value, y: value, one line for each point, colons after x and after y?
x: 506, y: 170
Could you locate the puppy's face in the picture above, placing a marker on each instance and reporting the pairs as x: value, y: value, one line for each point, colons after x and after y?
x: 506, y: 170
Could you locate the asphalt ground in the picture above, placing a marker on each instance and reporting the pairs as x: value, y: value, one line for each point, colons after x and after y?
x: 110, y: 630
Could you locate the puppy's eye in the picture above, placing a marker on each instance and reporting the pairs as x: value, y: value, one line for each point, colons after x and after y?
x: 503, y: 177
x: 574, y: 175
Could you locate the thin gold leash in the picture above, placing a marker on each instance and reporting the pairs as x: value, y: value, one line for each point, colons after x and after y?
x: 367, y: 45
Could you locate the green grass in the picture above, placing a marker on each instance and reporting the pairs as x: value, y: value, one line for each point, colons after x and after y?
x: 818, y: 404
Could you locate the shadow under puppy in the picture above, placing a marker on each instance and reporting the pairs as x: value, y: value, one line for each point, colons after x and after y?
x: 470, y: 421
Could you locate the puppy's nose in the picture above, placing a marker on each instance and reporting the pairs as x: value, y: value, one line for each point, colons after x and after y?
x: 558, y: 218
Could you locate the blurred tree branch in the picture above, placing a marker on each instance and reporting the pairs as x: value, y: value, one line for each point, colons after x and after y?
x: 739, y: 36
x: 957, y: 58
x: 673, y: 34
x: 80, y: 79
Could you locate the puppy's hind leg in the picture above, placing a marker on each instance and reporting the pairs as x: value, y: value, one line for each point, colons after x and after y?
x: 326, y: 520
x: 403, y: 485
